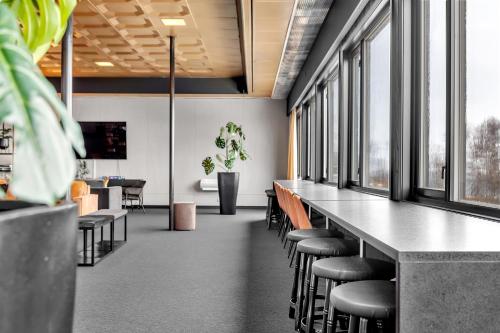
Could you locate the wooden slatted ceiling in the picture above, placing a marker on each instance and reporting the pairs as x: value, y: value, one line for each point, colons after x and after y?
x: 130, y: 35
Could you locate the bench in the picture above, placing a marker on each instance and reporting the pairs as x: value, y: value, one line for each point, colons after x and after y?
x: 97, y: 220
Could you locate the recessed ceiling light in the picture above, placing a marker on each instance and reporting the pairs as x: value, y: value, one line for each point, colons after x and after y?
x: 104, y: 64
x: 173, y: 21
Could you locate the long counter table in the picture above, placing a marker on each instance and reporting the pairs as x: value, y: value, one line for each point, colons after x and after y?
x: 447, y: 264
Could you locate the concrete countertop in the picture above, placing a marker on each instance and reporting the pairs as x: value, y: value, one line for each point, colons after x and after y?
x: 410, y: 232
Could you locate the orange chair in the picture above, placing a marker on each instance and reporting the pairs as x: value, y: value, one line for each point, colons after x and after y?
x: 80, y: 194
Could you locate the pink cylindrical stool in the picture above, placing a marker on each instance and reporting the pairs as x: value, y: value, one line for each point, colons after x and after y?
x: 185, y: 215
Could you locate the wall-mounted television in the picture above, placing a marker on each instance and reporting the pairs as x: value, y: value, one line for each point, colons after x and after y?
x: 105, y: 140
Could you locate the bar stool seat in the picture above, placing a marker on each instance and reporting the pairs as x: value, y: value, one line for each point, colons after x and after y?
x: 322, y: 247
x: 373, y: 299
x: 301, y: 234
x: 353, y: 269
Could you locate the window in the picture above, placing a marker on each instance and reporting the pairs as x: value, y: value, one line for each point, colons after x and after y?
x: 370, y: 68
x: 355, y: 87
x: 459, y: 122
x: 432, y: 146
x: 479, y: 102
x: 377, y: 114
x: 325, y: 138
x: 333, y: 129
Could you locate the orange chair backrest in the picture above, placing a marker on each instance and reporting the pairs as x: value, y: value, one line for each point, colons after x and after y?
x: 277, y: 189
x: 300, y: 213
x: 292, y: 212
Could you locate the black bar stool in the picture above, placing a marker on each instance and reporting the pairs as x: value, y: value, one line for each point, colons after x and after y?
x: 367, y: 302
x: 340, y: 270
x: 308, y: 251
x: 271, y: 207
x: 296, y: 236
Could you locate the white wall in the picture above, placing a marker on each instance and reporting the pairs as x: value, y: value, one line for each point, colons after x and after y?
x: 197, y: 124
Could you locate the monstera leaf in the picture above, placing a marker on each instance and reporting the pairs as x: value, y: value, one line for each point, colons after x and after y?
x: 44, y: 162
x: 43, y: 22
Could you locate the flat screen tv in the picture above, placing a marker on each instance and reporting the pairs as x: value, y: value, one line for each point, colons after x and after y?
x: 105, y: 140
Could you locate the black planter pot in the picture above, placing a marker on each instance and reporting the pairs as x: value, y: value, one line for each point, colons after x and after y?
x: 228, y: 191
x: 38, y: 265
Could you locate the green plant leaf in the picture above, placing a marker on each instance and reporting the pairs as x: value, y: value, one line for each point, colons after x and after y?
x: 66, y: 7
x: 44, y: 163
x: 220, y: 142
x: 231, y: 127
x: 208, y: 165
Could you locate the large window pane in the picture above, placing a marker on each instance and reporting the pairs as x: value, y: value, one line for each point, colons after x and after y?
x: 433, y: 116
x: 333, y: 146
x: 325, y: 138
x: 355, y: 115
x: 377, y: 117
x: 482, y: 102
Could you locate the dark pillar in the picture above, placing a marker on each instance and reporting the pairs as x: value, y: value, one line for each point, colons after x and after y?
x: 172, y: 132
x: 67, y: 73
x: 67, y: 67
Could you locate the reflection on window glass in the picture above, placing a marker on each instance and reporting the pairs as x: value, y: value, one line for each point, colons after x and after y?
x: 334, y: 131
x: 433, y: 121
x: 355, y: 115
x: 376, y: 162
x: 324, y: 104
x: 482, y: 102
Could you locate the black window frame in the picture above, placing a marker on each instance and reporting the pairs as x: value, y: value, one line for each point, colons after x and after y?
x: 360, y: 48
x: 448, y: 198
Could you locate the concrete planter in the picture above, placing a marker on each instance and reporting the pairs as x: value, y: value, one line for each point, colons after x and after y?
x: 38, y: 267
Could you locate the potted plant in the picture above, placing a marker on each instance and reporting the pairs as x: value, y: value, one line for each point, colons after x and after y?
x: 231, y: 140
x: 38, y: 237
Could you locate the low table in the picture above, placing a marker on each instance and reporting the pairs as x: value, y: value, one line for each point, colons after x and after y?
x: 100, y: 249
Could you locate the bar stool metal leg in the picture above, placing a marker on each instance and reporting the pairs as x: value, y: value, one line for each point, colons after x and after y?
x: 363, y: 325
x: 300, y: 289
x: 293, y: 297
x: 331, y: 322
x: 353, y: 324
x: 326, y: 308
x: 307, y: 287
x: 312, y: 300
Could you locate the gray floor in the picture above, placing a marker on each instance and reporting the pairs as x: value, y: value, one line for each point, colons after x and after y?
x: 230, y: 275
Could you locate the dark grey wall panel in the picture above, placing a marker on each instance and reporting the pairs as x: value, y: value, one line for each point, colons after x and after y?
x: 337, y: 18
x: 155, y: 85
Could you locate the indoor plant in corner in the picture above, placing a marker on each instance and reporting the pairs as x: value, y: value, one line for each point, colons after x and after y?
x: 37, y: 238
x: 231, y: 140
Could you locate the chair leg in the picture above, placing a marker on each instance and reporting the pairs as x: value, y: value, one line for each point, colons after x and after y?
x: 293, y: 255
x: 326, y: 307
x: 268, y: 212
x: 353, y: 324
x: 293, y: 296
x: 282, y: 222
x: 363, y: 325
x: 307, y: 286
x: 312, y: 300
x: 286, y: 241
x: 300, y: 290
x: 331, y: 322
x: 285, y: 229
x: 290, y: 248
